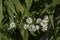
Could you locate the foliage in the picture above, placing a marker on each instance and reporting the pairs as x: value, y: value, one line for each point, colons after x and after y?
x: 15, y: 13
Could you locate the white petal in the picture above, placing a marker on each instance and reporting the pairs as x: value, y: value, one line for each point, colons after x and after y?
x: 37, y: 27
x: 46, y: 17
x: 45, y: 21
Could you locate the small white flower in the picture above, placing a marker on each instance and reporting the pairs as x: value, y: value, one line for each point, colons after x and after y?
x: 43, y: 24
x: 12, y: 25
x: 37, y: 27
x: 29, y: 20
x: 38, y: 20
x: 26, y: 26
x: 46, y: 19
x: 44, y: 28
x: 32, y: 28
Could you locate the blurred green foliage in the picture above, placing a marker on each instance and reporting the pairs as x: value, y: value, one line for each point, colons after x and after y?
x: 22, y: 9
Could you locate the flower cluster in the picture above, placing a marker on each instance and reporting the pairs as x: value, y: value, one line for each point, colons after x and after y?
x: 44, y: 23
x: 31, y: 27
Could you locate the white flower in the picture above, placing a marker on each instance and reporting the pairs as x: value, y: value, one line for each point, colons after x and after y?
x: 44, y: 28
x: 32, y: 28
x: 37, y: 27
x: 45, y: 21
x: 29, y: 20
x: 46, y: 18
x: 12, y: 25
x: 43, y: 24
x: 26, y: 26
x: 38, y: 20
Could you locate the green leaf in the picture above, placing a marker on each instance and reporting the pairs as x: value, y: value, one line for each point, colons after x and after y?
x: 10, y: 9
x: 51, y: 20
x: 10, y: 5
x: 51, y: 38
x: 58, y: 38
x: 57, y: 17
x: 1, y: 36
x: 25, y: 35
x: 11, y: 14
x: 18, y: 5
x: 58, y: 28
x: 28, y: 3
x: 26, y: 13
x: 56, y: 1
x: 47, y: 7
x: 32, y: 33
x: 1, y: 11
x: 58, y: 22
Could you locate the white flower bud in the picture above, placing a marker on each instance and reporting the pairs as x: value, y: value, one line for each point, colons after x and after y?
x: 46, y: 19
x: 37, y: 27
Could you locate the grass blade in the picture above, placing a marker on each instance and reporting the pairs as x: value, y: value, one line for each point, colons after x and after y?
x: 1, y: 11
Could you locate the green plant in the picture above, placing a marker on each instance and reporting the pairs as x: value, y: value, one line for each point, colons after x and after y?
x: 28, y: 19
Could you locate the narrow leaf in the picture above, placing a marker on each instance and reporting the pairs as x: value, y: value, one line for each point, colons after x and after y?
x: 32, y: 33
x: 11, y: 14
x: 18, y: 5
x: 10, y: 5
x: 1, y: 11
x: 28, y: 3
x: 26, y: 35
x: 56, y: 1
x: 51, y: 20
x: 58, y: 38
